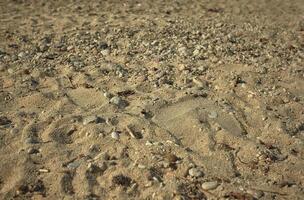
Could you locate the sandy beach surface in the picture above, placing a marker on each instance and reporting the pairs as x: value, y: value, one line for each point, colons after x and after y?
x: 152, y: 99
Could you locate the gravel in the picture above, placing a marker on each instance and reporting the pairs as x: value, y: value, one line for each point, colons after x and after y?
x: 211, y: 185
x: 195, y: 172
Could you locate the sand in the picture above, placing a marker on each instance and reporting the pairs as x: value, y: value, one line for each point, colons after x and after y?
x: 151, y: 99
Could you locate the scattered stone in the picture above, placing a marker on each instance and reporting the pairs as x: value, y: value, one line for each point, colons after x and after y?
x: 149, y: 143
x: 4, y: 121
x: 133, y: 134
x: 122, y: 180
x: 255, y: 193
x: 2, y: 67
x: 91, y: 119
x: 103, y: 45
x: 212, y: 115
x: 102, y: 156
x: 44, y: 170
x: 107, y: 95
x: 15, y: 131
x: 211, y: 185
x: 105, y: 52
x: 10, y: 71
x: 140, y: 166
x: 171, y: 158
x: 32, y: 151
x: 92, y: 168
x: 195, y: 172
x: 115, y: 135
x: 199, y: 83
x: 74, y: 165
x: 21, y: 54
x: 119, y: 102
x: 31, y: 140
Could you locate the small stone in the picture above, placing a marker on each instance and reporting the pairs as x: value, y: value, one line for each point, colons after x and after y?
x: 171, y: 158
x: 91, y: 119
x: 195, y: 172
x: 149, y: 143
x: 116, y: 100
x: 212, y: 115
x: 69, y: 48
x: 105, y: 52
x: 255, y: 193
x: 14, y: 131
x: 115, y: 135
x: 31, y: 141
x: 107, y: 95
x: 2, y: 67
x: 102, y: 156
x: 10, y: 70
x: 32, y: 151
x: 140, y: 166
x: 21, y: 54
x: 74, y: 165
x: 210, y: 185
x: 44, y: 170
x: 4, y: 121
x: 93, y: 168
x: 122, y: 180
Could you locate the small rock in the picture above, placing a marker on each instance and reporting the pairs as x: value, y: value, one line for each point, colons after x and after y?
x: 21, y: 54
x: 2, y: 67
x: 74, y: 165
x: 140, y: 166
x: 171, y: 158
x: 211, y: 185
x: 69, y: 48
x: 103, y: 45
x: 212, y: 115
x: 10, y: 70
x: 107, y: 95
x: 32, y: 151
x: 122, y: 180
x: 105, y: 52
x: 31, y: 140
x: 115, y: 135
x: 116, y: 100
x: 14, y: 131
x: 91, y: 119
x: 4, y: 121
x: 255, y: 193
x: 93, y: 168
x: 195, y: 172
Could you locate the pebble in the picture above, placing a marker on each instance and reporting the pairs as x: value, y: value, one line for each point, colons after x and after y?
x: 74, y: 165
x: 117, y: 101
x: 105, y: 52
x: 10, y: 70
x: 212, y: 115
x: 140, y: 166
x: 21, y: 54
x: 211, y: 185
x: 44, y: 170
x: 195, y: 172
x: 255, y: 193
x: 32, y: 151
x: 90, y: 119
x: 107, y: 95
x: 115, y: 135
x: 30, y: 141
x: 2, y: 67
x: 148, y: 143
x: 4, y: 121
